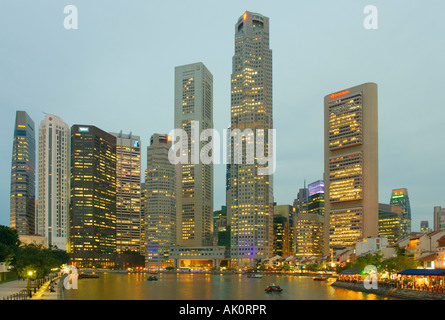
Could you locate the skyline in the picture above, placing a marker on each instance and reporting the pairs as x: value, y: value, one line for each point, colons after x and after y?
x: 72, y: 69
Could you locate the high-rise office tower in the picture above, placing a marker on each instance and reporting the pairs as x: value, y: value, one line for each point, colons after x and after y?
x: 400, y: 198
x: 391, y: 223
x: 92, y: 227
x: 54, y: 181
x: 439, y: 218
x: 160, y: 215
x: 128, y: 192
x: 309, y: 220
x: 194, y: 179
x: 283, y: 234
x: 301, y: 201
x: 316, y: 197
x: 23, y: 175
x: 351, y: 165
x: 251, y: 191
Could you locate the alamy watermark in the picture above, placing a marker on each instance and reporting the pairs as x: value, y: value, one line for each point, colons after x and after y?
x: 70, y: 281
x: 371, y: 280
x: 246, y: 146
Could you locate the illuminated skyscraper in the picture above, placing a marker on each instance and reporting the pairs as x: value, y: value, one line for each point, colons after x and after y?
x: 194, y: 179
x: 54, y: 181
x: 351, y: 165
x: 251, y: 193
x: 309, y: 220
x: 391, y: 223
x: 23, y: 175
x: 128, y: 192
x: 283, y: 230
x: 301, y: 201
x: 316, y: 198
x: 92, y: 227
x: 400, y: 198
x: 160, y: 215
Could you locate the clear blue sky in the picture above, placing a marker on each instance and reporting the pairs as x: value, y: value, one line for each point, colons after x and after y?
x: 117, y: 72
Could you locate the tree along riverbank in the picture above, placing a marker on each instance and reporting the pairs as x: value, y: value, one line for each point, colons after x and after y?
x: 391, y: 292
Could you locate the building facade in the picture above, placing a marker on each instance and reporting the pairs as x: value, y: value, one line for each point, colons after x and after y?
x: 391, y: 223
x: 251, y: 192
x: 439, y: 218
x: 23, y: 176
x: 351, y: 165
x: 400, y: 198
x: 128, y: 193
x: 283, y: 231
x: 160, y: 214
x: 54, y: 181
x: 194, y: 178
x: 92, y: 227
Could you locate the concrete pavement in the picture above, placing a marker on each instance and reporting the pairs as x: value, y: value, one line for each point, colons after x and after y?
x: 10, y: 288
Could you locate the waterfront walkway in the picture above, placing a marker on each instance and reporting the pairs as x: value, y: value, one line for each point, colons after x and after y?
x: 13, y: 289
x: 18, y: 290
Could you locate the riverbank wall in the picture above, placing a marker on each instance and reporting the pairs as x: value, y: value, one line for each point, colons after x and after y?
x: 389, y: 292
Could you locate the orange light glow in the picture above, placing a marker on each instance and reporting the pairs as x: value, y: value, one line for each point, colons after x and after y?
x: 338, y: 94
x: 245, y: 16
x: 169, y: 138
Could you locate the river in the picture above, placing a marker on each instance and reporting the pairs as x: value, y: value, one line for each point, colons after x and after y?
x: 170, y: 286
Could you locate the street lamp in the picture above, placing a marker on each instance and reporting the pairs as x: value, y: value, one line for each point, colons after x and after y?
x: 30, y: 273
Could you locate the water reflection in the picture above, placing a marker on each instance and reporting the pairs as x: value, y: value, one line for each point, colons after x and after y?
x: 111, y: 286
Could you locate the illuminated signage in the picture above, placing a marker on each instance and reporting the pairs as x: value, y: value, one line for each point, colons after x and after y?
x: 338, y: 94
x: 245, y: 16
x: 136, y: 144
x: 84, y: 129
x: 169, y: 138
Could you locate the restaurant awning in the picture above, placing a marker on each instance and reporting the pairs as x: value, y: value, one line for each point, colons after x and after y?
x: 349, y: 272
x: 423, y: 272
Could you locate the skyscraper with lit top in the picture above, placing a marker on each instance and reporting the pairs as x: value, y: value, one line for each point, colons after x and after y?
x: 23, y: 175
x: 351, y: 165
x: 251, y: 194
x: 92, y: 227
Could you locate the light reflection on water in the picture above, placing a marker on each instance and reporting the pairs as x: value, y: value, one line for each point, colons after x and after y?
x: 114, y: 286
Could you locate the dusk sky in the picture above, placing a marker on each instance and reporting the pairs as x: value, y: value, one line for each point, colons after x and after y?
x: 116, y: 71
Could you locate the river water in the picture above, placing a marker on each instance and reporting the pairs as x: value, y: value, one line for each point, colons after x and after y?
x: 134, y: 286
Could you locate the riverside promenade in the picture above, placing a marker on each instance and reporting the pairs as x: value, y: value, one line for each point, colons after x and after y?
x: 391, y: 292
x: 18, y: 290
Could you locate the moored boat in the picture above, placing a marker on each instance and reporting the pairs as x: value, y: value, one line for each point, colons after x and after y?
x: 273, y: 288
x: 254, y: 275
x: 152, y: 278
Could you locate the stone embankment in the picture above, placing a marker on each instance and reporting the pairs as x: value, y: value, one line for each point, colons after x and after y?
x: 391, y: 292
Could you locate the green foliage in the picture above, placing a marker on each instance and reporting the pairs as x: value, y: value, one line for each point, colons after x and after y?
x: 392, y: 265
x: 9, y: 244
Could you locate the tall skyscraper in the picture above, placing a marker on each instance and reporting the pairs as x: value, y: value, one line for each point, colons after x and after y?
x: 309, y: 220
x: 391, y: 223
x: 23, y: 175
x: 400, y: 198
x: 128, y: 192
x: 316, y: 197
x: 54, y: 181
x: 194, y: 180
x: 301, y: 201
x: 160, y: 215
x: 351, y: 165
x: 439, y: 218
x: 283, y: 230
x: 251, y: 193
x: 92, y: 228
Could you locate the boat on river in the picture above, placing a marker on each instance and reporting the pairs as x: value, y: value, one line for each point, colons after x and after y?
x: 320, y: 278
x: 152, y: 278
x: 254, y: 275
x: 273, y: 288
